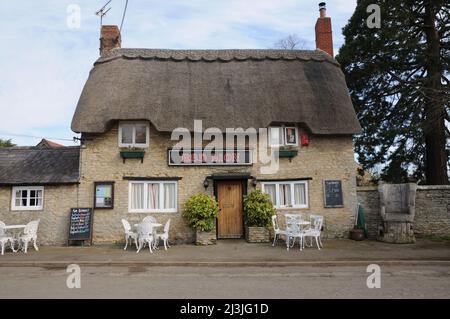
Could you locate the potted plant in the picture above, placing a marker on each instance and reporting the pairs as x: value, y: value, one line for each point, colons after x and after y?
x: 201, y: 211
x: 258, y: 210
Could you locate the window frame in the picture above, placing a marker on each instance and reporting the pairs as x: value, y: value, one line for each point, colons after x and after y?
x: 292, y: 191
x: 133, y: 143
x: 160, y: 197
x: 283, y: 132
x: 28, y: 189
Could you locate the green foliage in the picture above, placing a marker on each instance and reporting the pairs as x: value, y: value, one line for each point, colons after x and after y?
x: 6, y: 143
x: 258, y: 209
x: 393, y: 75
x: 200, y: 211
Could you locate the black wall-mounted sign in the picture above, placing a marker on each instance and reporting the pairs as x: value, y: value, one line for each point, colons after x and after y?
x: 80, y: 227
x: 209, y: 158
x: 332, y: 192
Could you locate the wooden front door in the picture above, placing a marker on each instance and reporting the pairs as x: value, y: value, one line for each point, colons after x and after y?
x: 230, y: 221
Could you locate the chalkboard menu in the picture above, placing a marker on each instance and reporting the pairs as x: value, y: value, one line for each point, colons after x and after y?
x: 80, y: 227
x: 332, y: 193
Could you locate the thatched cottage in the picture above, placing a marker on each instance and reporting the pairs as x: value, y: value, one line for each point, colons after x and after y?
x: 134, y: 102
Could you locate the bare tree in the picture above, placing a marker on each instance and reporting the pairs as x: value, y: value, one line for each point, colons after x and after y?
x: 291, y: 42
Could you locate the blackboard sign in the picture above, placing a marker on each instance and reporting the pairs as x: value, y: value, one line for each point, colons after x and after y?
x: 332, y: 193
x: 80, y: 227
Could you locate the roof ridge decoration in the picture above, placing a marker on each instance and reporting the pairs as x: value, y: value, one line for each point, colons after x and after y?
x: 237, y: 55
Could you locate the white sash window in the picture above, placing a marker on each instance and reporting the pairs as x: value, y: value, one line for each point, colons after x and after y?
x: 27, y: 198
x: 153, y: 196
x: 287, y: 193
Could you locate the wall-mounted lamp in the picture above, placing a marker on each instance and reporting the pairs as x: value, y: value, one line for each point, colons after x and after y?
x: 205, y: 183
x: 254, y: 182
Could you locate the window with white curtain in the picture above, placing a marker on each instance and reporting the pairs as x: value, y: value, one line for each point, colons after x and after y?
x: 27, y: 198
x: 153, y: 196
x: 287, y: 193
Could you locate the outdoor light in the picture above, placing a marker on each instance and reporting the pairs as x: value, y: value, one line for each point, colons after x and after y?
x: 205, y: 183
x: 254, y: 182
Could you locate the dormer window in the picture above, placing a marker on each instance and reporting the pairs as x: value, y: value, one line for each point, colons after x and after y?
x: 134, y: 134
x: 283, y: 136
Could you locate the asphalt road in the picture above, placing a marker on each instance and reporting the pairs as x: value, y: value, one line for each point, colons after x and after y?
x: 230, y: 282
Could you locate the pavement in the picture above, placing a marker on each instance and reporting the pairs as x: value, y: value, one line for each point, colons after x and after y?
x: 336, y: 252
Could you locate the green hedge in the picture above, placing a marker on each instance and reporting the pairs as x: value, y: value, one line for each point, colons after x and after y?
x: 201, y: 212
x: 258, y: 209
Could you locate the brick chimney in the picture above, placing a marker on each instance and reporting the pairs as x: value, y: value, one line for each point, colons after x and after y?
x: 324, y: 36
x: 109, y: 38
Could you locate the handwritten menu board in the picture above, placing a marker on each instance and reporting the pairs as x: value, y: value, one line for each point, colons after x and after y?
x: 80, y: 227
x: 333, y: 196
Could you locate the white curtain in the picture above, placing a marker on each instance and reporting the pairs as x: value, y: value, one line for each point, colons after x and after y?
x: 299, y: 194
x: 169, y: 196
x: 137, y: 196
x: 271, y: 191
x: 275, y: 136
x: 285, y: 194
x: 153, y: 196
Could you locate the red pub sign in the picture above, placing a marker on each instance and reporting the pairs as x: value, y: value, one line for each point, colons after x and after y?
x: 209, y: 157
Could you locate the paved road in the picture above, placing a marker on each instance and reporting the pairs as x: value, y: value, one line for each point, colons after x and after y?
x: 230, y: 282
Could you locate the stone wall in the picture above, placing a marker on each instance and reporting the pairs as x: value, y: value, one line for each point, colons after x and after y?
x: 324, y: 158
x: 54, y: 217
x: 432, y: 210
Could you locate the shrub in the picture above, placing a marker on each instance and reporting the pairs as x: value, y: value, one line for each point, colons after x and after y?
x: 200, y: 211
x: 258, y: 209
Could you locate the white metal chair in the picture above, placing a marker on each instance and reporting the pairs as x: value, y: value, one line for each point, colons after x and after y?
x: 293, y: 230
x: 145, y: 235
x: 129, y: 234
x: 277, y: 231
x: 314, y: 230
x: 164, y: 236
x: 4, y: 238
x: 29, y: 235
x: 149, y: 219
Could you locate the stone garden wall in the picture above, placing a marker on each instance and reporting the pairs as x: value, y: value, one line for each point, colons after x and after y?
x: 432, y: 210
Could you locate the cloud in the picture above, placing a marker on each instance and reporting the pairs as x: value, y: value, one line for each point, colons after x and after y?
x: 44, y: 64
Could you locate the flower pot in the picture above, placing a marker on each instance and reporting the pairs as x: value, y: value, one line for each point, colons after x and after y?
x: 357, y: 234
x: 257, y: 234
x: 205, y: 238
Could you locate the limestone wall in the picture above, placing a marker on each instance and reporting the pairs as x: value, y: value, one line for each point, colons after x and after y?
x: 432, y: 210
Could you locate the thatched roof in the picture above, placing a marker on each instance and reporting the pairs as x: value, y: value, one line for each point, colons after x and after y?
x: 36, y: 165
x: 224, y: 88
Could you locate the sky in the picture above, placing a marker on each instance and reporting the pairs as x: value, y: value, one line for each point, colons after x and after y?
x: 46, y: 55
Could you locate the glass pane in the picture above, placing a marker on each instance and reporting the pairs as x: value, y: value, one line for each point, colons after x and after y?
x: 291, y: 136
x: 24, y: 193
x: 127, y: 133
x: 271, y: 191
x: 39, y: 202
x: 299, y: 194
x: 141, y: 134
x: 17, y: 202
x: 275, y: 136
x: 285, y: 194
x: 39, y: 193
x: 103, y: 196
x: 137, y: 196
x: 169, y: 196
x: 153, y: 196
x: 32, y: 193
x: 18, y: 194
x: 32, y: 202
x: 24, y: 202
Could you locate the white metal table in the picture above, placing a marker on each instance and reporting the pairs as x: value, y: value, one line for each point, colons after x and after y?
x: 295, y: 219
x: 154, y: 226
x: 15, y: 229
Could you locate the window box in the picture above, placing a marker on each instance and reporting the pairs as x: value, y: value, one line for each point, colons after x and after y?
x: 132, y: 154
x: 287, y: 153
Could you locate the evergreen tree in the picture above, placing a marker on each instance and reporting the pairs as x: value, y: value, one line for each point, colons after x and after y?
x: 398, y: 77
x: 6, y: 143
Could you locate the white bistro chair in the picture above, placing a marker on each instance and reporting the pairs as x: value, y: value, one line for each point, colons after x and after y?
x: 149, y: 219
x: 129, y: 234
x: 164, y: 236
x: 4, y: 238
x: 29, y: 235
x: 314, y: 230
x: 277, y: 231
x: 145, y: 236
